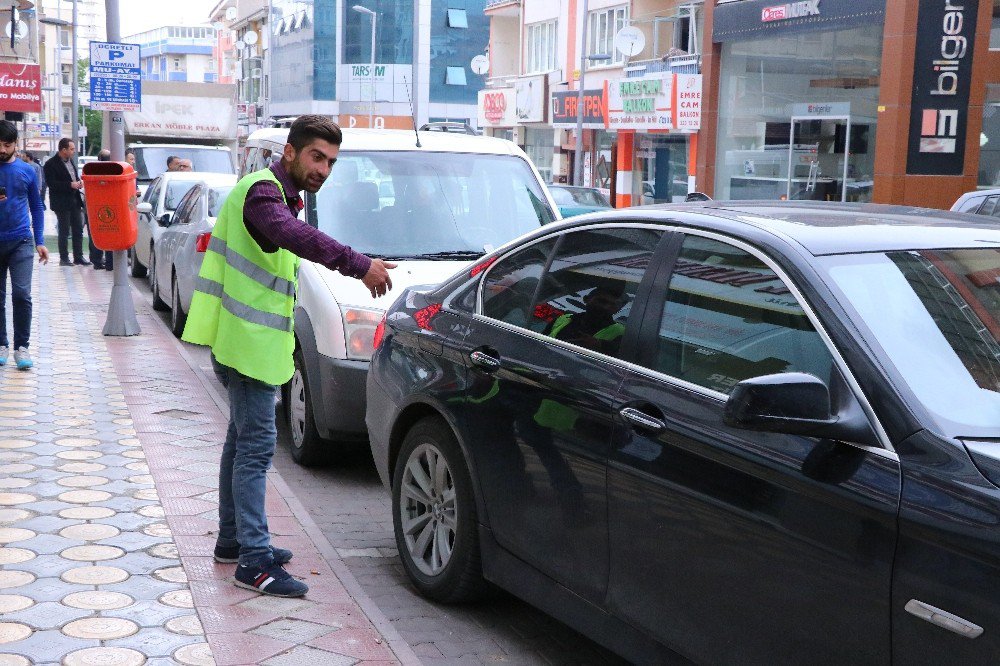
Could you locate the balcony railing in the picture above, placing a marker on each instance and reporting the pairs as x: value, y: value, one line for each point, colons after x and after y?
x: 679, y: 64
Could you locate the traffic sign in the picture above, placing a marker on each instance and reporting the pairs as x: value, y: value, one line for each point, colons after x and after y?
x: 115, y: 77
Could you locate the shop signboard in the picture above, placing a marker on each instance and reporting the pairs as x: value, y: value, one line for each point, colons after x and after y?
x: 115, y: 77
x: 661, y: 101
x: 942, y: 70
x: 20, y: 88
x: 595, y: 108
x: 839, y: 109
x: 529, y: 93
x: 496, y: 107
x: 753, y: 19
x: 392, y: 82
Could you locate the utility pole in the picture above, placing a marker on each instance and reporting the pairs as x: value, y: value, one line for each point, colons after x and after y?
x: 121, y: 319
x: 74, y: 82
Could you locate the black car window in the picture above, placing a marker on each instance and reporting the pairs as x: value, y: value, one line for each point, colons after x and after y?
x: 510, y: 285
x: 187, y: 205
x: 588, y: 291
x: 729, y: 317
x: 989, y: 206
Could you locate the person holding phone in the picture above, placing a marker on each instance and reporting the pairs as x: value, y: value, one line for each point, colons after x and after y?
x: 22, y: 225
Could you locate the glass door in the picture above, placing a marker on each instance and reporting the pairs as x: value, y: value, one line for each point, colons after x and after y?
x: 818, y: 158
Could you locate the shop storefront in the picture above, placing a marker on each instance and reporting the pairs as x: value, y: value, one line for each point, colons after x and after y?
x: 799, y: 99
x: 496, y: 108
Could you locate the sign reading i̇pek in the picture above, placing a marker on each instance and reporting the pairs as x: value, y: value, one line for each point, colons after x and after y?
x: 115, y: 77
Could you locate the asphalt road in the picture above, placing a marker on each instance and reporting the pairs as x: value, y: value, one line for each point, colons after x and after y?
x: 349, y: 504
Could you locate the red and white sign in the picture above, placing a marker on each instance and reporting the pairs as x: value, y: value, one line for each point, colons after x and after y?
x: 790, y: 11
x: 20, y: 88
x: 497, y: 107
x: 687, y: 102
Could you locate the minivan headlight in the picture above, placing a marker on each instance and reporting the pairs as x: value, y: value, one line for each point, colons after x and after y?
x: 359, y: 331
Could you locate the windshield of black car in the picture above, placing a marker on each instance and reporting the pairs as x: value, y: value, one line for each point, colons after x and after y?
x: 176, y: 189
x: 412, y: 204
x: 151, y: 162
x: 565, y: 196
x: 936, y: 316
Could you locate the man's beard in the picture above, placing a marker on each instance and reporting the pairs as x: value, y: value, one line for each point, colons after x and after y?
x: 5, y: 157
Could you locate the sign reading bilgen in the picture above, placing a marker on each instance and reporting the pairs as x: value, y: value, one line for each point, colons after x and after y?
x: 941, y: 84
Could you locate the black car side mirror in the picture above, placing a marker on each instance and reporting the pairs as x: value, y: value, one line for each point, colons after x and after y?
x: 790, y: 402
x: 164, y: 220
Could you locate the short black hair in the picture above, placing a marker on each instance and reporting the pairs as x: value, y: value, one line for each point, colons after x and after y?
x: 313, y: 126
x: 64, y: 142
x: 129, y: 151
x: 170, y: 160
x: 8, y: 131
x: 29, y: 155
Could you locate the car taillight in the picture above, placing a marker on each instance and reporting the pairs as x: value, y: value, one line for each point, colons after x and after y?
x: 423, y: 316
x: 201, y: 243
x: 379, y: 334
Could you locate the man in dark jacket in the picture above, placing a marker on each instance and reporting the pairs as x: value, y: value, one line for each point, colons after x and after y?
x: 66, y: 201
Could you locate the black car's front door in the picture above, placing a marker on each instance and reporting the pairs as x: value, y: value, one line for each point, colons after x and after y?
x: 733, y: 546
x: 544, y: 374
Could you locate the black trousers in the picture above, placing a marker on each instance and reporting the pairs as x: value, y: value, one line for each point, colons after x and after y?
x: 70, y: 222
x: 99, y: 257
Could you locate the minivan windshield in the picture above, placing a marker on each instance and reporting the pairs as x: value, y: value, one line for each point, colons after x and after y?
x: 427, y: 205
x: 151, y: 161
x: 936, y: 316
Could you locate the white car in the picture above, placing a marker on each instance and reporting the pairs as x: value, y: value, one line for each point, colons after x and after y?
x: 158, y: 204
x: 979, y: 202
x: 431, y: 208
x: 178, y: 253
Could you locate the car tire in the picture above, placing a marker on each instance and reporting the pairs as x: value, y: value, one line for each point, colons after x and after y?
x: 450, y: 517
x: 177, y: 315
x: 136, y: 269
x: 308, y: 448
x: 159, y: 304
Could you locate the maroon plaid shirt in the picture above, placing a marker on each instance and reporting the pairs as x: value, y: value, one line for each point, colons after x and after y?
x: 273, y: 223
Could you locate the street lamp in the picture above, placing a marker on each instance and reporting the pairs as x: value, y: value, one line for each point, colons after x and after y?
x: 371, y: 107
x: 578, y: 153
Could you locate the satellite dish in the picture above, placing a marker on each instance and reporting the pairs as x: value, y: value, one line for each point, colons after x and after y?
x: 22, y: 30
x: 630, y: 41
x: 240, y: 45
x: 480, y: 64
x: 231, y: 14
x: 250, y: 38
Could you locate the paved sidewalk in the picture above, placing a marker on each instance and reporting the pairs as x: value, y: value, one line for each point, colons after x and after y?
x: 108, y: 510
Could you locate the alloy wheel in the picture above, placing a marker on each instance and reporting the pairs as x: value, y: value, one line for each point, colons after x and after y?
x: 428, y: 509
x: 297, y: 408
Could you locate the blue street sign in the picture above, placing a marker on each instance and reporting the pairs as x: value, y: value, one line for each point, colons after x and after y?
x: 115, y: 77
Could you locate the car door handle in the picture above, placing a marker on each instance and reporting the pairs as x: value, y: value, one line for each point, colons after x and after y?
x: 640, y: 419
x: 485, y: 361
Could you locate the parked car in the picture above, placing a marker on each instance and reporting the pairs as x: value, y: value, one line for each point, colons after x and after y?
x: 979, y: 202
x: 178, y: 254
x: 151, y: 159
x: 431, y: 207
x: 731, y: 432
x: 155, y: 210
x: 578, y: 200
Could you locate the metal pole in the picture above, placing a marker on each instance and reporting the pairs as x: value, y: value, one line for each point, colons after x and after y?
x: 58, y: 59
x: 371, y: 108
x: 75, y: 87
x: 578, y: 153
x: 415, y: 75
x: 121, y: 319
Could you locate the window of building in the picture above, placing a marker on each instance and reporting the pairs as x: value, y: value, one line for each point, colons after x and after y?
x: 995, y: 28
x: 989, y: 139
x: 457, y: 18
x: 729, y: 317
x: 601, y: 31
x: 67, y: 75
x: 66, y: 113
x: 455, y: 76
x: 687, y: 28
x: 541, y: 47
x: 64, y: 37
x: 177, y: 64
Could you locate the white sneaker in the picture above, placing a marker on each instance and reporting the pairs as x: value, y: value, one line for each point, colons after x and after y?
x: 23, y: 358
x: 4, y: 353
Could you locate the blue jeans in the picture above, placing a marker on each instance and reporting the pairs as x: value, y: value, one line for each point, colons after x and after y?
x: 17, y: 258
x: 246, y: 457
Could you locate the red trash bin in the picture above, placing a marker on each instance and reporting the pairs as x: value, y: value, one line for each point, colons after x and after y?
x: 111, y: 204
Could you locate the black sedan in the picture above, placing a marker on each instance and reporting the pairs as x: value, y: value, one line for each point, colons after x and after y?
x: 729, y: 432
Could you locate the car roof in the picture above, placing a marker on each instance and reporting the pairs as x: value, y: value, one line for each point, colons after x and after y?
x: 823, y: 228
x: 402, y: 140
x: 210, y: 177
x: 176, y: 145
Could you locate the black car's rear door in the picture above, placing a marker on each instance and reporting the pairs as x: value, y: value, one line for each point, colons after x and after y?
x: 733, y: 546
x: 544, y: 375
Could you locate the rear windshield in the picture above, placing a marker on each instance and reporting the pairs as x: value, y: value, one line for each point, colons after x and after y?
x: 151, y: 162
x: 408, y: 205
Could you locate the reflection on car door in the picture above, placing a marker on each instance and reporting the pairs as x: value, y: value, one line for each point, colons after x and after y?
x: 544, y: 413
x: 733, y: 546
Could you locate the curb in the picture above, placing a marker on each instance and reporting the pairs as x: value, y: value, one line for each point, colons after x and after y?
x: 379, y: 620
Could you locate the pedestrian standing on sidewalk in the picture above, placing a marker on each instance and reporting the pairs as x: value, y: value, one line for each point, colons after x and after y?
x: 102, y: 260
x: 66, y: 201
x: 242, y: 308
x: 39, y: 173
x: 22, y: 225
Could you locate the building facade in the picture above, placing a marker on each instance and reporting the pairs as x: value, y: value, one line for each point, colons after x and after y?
x: 638, y: 64
x: 177, y: 53
x: 321, y: 54
x: 851, y: 100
